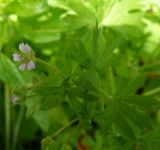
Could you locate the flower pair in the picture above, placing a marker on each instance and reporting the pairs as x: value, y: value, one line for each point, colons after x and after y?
x: 25, y: 57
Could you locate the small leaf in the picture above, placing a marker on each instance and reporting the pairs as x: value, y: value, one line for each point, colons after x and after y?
x: 141, y: 101
x: 41, y: 117
x: 9, y: 72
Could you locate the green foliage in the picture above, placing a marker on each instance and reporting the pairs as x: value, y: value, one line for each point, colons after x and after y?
x: 105, y: 93
x: 9, y: 72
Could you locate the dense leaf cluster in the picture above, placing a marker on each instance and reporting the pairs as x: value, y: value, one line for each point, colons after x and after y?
x: 107, y: 51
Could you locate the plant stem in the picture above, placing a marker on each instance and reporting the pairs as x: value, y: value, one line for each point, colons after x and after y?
x: 7, y: 118
x: 17, y: 127
x: 151, y: 92
x: 55, y: 70
x: 72, y: 132
x: 63, y: 128
x: 111, y: 80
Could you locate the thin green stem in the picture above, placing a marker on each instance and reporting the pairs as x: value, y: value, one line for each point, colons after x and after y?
x: 111, y: 80
x: 151, y: 92
x: 55, y: 70
x: 63, y: 128
x: 148, y: 66
x: 17, y: 127
x: 7, y: 118
x: 72, y: 132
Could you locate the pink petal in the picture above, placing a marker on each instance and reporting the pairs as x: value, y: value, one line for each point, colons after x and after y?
x: 22, y: 67
x: 17, y: 57
x: 31, y: 65
x: 24, y: 48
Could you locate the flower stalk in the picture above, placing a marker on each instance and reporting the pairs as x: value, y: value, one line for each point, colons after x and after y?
x: 55, y: 70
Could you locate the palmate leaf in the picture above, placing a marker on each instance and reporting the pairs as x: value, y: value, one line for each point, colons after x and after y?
x: 128, y: 115
x: 107, y: 12
x: 83, y: 106
x: 123, y: 12
x: 77, y: 13
x: 140, y: 120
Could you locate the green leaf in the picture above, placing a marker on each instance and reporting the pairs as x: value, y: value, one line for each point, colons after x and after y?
x: 78, y: 14
x: 9, y: 72
x: 140, y: 120
x: 123, y: 125
x: 107, y: 118
x: 76, y: 105
x: 79, y: 54
x: 27, y: 9
x: 131, y: 86
x: 141, y: 101
x: 41, y: 117
x: 51, y: 97
x: 121, y: 12
x: 107, y: 43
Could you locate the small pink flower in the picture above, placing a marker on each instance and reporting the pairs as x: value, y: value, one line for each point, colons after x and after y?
x: 25, y: 57
x: 17, y: 57
x: 24, y: 48
x: 31, y: 65
x: 22, y: 67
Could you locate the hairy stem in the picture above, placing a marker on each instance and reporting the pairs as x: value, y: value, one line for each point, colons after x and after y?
x: 55, y: 70
x: 63, y: 128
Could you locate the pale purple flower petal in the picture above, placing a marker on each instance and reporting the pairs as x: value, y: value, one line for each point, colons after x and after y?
x: 17, y: 57
x: 22, y: 67
x: 31, y: 65
x: 24, y: 48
